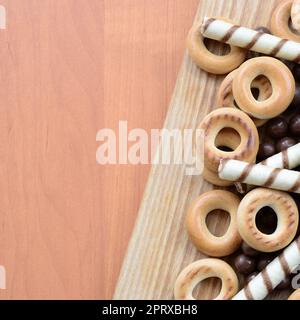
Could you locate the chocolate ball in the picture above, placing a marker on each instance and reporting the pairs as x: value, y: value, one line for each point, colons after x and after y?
x: 296, y: 100
x: 266, y: 150
x: 244, y: 264
x: 296, y: 72
x: 291, y: 111
x: 285, y: 143
x: 251, y: 277
x: 263, y: 262
x: 295, y: 125
x: 284, y: 284
x: 277, y: 128
x: 248, y: 251
x: 289, y: 64
x: 263, y: 29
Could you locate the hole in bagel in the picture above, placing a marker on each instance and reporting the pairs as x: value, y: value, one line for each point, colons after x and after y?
x: 216, y: 47
x: 264, y: 84
x: 217, y: 222
x: 207, y: 289
x: 266, y: 220
x: 228, y: 140
x: 255, y: 93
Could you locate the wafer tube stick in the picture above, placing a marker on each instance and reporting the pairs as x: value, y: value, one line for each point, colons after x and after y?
x: 250, y: 39
x: 260, y: 175
x: 275, y: 272
x: 287, y: 159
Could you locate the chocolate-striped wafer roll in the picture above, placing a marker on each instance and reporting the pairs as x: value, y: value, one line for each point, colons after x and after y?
x: 260, y: 175
x: 287, y: 159
x: 250, y: 39
x: 276, y: 271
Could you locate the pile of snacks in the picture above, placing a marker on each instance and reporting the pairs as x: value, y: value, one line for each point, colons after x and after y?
x: 252, y: 142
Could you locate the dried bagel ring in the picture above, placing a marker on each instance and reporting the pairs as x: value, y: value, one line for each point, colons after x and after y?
x: 295, y: 15
x: 287, y: 216
x: 204, y: 269
x: 280, y: 21
x: 235, y: 119
x: 197, y: 228
x: 211, y: 62
x: 282, y: 82
x: 225, y: 96
x: 226, y: 138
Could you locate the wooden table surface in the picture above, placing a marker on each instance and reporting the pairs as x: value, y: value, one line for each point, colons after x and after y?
x: 70, y: 68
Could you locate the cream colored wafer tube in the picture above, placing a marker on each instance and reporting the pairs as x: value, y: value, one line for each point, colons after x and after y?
x: 260, y: 175
x: 250, y: 39
x: 275, y: 272
x: 287, y: 159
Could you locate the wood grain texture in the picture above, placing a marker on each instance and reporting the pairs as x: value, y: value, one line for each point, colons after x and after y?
x: 159, y: 248
x: 70, y: 68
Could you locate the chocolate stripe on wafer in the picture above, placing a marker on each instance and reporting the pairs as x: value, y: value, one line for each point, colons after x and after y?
x: 254, y: 40
x: 207, y: 24
x: 267, y: 281
x: 279, y: 46
x: 296, y: 186
x: 248, y: 293
x: 245, y: 172
x: 272, y: 177
x: 285, y: 159
x: 284, y: 265
x: 229, y: 34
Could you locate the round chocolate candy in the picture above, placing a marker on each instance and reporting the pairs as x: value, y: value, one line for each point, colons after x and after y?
x: 248, y: 251
x: 244, y: 264
x: 295, y: 125
x: 284, y: 284
x: 289, y: 64
x: 296, y: 100
x: 277, y: 128
x: 251, y: 277
x: 296, y: 72
x: 266, y: 150
x: 285, y: 143
x: 264, y: 261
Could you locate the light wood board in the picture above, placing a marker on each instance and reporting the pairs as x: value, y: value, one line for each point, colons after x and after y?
x: 159, y: 248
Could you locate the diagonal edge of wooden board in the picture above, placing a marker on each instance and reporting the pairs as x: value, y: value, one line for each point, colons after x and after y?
x: 159, y: 247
